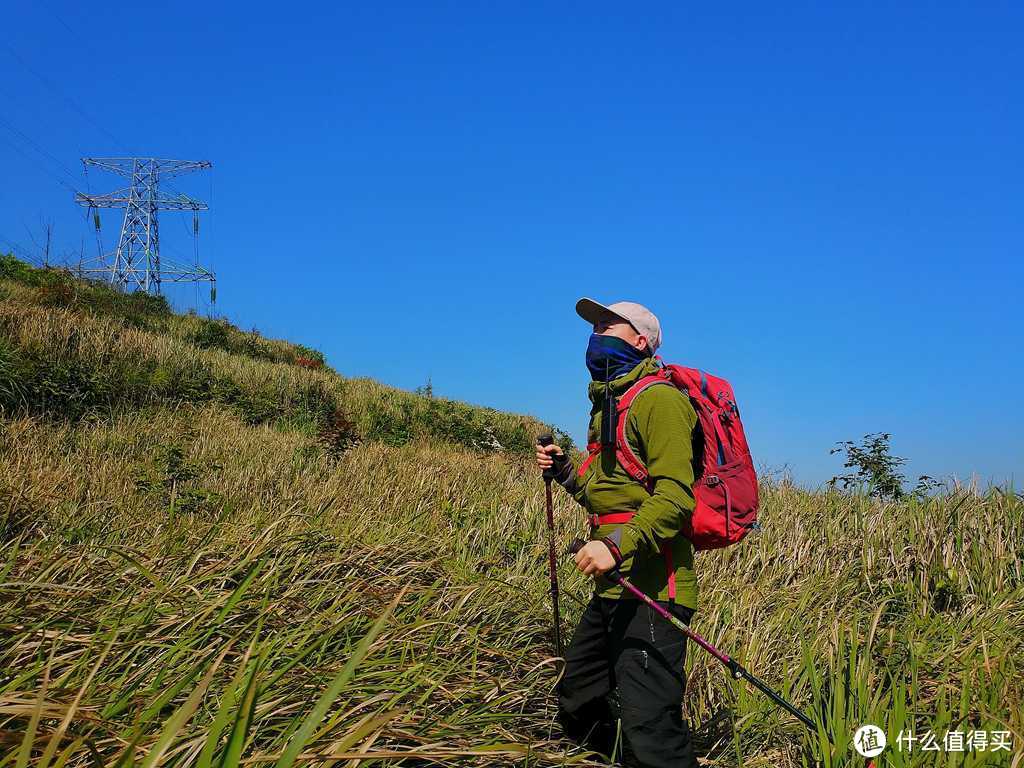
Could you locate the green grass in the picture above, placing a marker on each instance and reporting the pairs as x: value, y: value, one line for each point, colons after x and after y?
x: 70, y: 349
x: 200, y: 574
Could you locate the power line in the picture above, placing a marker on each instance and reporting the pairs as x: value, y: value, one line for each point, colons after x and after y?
x: 23, y: 253
x: 58, y: 91
x: 41, y: 151
x: 77, y: 37
x: 44, y: 153
x: 58, y: 18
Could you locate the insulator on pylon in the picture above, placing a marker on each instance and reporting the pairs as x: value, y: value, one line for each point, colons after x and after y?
x: 96, y: 219
x: 213, y: 294
x: 195, y: 223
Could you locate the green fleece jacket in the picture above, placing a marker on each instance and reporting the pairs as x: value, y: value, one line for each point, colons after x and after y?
x: 660, y: 428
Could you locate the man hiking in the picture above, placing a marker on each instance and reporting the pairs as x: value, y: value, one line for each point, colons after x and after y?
x: 625, y: 661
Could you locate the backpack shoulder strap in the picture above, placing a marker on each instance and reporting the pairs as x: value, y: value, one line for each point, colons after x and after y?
x: 626, y: 456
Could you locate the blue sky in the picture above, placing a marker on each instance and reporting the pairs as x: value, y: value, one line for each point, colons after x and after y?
x: 821, y: 203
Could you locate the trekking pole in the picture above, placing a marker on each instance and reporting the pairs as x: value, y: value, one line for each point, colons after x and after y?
x: 549, y: 474
x: 735, y: 668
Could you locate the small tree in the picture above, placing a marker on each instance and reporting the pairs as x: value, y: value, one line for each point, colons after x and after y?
x: 878, y: 468
x: 427, y: 390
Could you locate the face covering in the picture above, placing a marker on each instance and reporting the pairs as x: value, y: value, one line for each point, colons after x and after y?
x: 611, y: 354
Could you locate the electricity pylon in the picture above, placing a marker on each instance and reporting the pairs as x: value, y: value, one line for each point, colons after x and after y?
x: 136, y: 261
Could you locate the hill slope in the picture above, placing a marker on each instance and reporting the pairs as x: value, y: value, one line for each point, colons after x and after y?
x: 200, y: 528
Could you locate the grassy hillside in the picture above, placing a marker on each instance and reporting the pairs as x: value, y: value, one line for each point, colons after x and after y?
x: 216, y: 551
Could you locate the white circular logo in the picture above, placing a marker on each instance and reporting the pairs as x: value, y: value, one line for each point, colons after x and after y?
x: 869, y: 740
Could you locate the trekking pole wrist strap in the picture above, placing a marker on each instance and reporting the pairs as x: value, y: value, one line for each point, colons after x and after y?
x: 620, y: 518
x: 614, y: 549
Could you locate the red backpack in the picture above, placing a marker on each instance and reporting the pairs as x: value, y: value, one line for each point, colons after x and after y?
x: 725, y: 486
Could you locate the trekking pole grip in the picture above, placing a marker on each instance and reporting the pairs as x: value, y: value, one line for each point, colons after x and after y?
x: 578, y: 544
x: 557, y: 460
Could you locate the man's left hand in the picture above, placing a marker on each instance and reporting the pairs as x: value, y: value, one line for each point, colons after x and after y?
x: 595, y: 558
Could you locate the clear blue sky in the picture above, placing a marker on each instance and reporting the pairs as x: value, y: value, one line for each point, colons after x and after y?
x: 824, y: 205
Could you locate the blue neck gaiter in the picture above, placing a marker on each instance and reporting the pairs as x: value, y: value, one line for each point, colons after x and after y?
x: 609, y: 357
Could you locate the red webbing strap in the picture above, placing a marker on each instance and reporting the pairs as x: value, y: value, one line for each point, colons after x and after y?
x: 666, y: 552
x: 627, y: 458
x: 611, y: 518
x: 593, y: 449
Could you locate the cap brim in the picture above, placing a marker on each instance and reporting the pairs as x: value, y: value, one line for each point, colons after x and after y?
x: 594, y: 311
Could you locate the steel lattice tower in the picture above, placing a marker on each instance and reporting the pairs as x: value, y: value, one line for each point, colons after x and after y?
x: 136, y: 261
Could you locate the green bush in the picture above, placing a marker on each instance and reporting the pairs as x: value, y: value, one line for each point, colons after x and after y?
x: 389, y: 428
x: 173, y: 482
x: 57, y: 287
x: 17, y: 270
x: 211, y: 334
x: 306, y: 355
x: 71, y: 387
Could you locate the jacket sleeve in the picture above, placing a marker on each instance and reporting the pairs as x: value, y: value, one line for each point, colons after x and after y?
x: 660, y: 431
x: 569, y: 478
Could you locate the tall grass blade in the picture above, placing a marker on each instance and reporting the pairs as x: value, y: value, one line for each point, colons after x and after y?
x: 323, y: 704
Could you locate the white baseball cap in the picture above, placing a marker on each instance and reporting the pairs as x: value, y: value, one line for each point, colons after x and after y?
x: 640, y: 317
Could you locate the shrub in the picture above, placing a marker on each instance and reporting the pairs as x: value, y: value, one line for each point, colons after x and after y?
x: 388, y: 427
x: 309, y: 358
x: 211, y: 334
x: 173, y: 481
x: 17, y: 270
x: 877, y: 468
x: 338, y: 434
